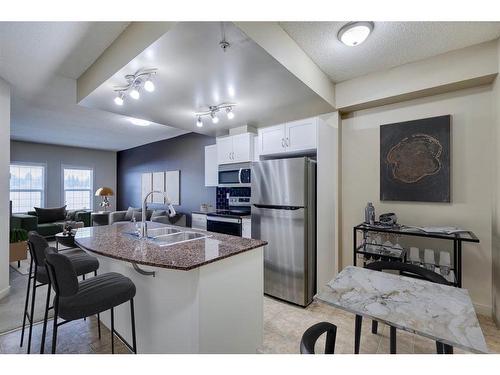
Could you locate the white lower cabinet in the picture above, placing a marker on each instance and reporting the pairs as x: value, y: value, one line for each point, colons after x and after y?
x: 246, y: 228
x: 199, y: 221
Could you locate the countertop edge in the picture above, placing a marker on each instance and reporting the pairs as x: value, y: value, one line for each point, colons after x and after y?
x: 150, y: 264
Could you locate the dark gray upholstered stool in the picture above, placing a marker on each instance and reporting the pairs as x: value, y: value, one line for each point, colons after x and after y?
x: 76, y: 300
x: 82, y: 263
x: 313, y: 333
x: 407, y: 268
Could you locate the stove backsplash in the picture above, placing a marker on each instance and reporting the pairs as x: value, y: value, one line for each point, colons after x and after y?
x: 222, y: 202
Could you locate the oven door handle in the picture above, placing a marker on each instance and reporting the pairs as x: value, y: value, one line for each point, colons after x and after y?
x: 239, y: 175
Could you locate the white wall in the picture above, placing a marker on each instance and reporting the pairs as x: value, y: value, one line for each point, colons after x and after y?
x: 4, y: 186
x: 327, y: 199
x: 496, y: 200
x: 103, y: 163
x: 472, y: 190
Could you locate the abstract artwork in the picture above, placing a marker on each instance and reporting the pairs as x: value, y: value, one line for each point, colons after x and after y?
x: 415, y: 160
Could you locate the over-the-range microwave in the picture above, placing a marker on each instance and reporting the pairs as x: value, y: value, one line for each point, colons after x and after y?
x: 235, y: 175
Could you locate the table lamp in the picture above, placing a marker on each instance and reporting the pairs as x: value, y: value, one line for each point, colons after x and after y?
x: 104, y: 192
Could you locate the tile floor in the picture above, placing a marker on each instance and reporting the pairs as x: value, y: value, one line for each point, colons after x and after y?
x: 283, y: 327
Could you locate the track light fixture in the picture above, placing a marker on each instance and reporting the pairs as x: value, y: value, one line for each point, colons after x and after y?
x: 212, y: 112
x: 199, y: 123
x: 135, y: 83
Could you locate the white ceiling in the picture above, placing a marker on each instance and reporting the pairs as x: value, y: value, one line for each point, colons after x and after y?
x: 391, y: 44
x: 194, y: 72
x: 41, y: 61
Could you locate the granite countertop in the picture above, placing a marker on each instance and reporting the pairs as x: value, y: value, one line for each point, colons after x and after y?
x: 114, y: 242
x: 435, y: 311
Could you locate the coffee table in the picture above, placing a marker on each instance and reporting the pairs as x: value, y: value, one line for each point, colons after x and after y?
x: 67, y: 240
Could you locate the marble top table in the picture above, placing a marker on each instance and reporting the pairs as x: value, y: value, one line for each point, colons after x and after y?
x: 435, y: 311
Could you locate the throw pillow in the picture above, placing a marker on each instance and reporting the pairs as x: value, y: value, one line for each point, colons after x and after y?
x: 157, y: 213
x: 70, y: 215
x: 50, y: 215
x: 130, y: 213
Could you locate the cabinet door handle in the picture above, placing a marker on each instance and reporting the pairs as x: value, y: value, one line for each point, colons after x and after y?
x: 287, y: 142
x: 283, y: 142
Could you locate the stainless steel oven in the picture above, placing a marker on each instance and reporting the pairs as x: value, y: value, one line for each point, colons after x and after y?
x: 235, y: 175
x: 224, y: 224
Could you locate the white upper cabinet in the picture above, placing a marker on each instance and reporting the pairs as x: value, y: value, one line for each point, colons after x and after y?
x: 224, y: 150
x: 211, y: 170
x: 296, y: 136
x: 272, y: 139
x: 301, y: 135
x: 235, y: 148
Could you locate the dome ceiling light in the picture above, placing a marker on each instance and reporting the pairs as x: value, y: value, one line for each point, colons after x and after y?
x: 142, y: 79
x: 212, y: 113
x: 354, y: 33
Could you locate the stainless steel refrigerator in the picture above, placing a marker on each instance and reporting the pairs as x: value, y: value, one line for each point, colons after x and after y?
x: 284, y: 214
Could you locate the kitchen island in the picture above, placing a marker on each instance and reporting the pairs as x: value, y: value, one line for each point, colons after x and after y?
x: 202, y: 293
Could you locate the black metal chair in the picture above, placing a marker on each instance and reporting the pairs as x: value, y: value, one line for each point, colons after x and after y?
x: 82, y: 262
x: 409, y: 269
x: 313, y: 333
x: 76, y: 300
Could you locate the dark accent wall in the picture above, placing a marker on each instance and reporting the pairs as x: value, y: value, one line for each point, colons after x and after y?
x: 185, y: 153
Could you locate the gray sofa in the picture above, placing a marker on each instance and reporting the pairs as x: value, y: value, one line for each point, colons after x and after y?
x: 158, y: 216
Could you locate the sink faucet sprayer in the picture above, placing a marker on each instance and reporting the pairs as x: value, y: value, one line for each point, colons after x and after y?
x: 171, y: 210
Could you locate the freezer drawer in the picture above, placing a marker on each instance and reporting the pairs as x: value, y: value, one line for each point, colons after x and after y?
x: 287, y: 257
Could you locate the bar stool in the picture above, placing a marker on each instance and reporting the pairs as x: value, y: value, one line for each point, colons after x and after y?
x: 75, y: 300
x: 82, y: 262
x: 409, y: 268
x: 313, y: 333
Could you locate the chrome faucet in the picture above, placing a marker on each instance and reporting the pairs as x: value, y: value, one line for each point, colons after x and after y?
x: 171, y: 210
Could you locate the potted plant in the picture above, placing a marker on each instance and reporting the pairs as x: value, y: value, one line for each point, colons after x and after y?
x: 18, y: 245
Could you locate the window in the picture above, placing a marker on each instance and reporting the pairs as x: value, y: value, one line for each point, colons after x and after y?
x: 27, y: 187
x: 78, y: 188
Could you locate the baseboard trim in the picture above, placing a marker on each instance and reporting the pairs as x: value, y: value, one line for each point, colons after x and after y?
x: 483, y: 309
x: 4, y: 292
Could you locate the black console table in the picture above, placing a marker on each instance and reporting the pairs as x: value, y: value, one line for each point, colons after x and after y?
x: 400, y: 254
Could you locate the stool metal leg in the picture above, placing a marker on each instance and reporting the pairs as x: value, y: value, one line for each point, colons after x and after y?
x: 98, y: 317
x: 112, y: 332
x: 26, y: 303
x: 54, y: 330
x: 393, y: 340
x: 132, y: 317
x: 83, y: 278
x: 45, y: 317
x: 439, y: 348
x: 357, y: 333
x: 448, y: 349
x: 33, y: 296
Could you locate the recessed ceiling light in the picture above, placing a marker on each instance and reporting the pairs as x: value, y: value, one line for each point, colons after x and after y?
x: 139, y: 122
x: 355, y: 33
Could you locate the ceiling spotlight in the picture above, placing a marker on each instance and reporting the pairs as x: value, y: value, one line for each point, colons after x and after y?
x: 215, y: 119
x: 139, y: 122
x: 230, y: 113
x: 199, y: 123
x: 149, y: 86
x: 119, y: 99
x: 134, y: 94
x: 355, y: 33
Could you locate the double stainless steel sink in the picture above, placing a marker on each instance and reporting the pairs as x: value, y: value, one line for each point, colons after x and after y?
x: 167, y: 236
